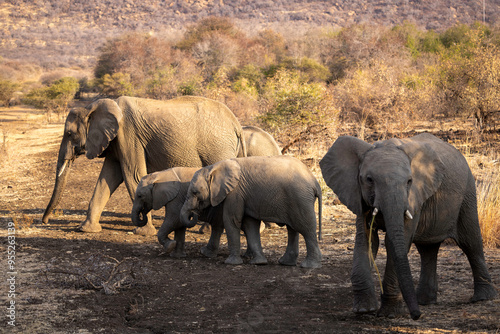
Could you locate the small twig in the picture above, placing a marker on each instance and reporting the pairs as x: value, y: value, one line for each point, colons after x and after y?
x: 370, y: 251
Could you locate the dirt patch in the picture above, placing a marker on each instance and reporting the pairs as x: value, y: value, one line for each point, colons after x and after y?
x: 117, y: 282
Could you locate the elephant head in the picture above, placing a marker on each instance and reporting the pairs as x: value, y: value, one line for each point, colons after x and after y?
x: 86, y: 131
x: 154, y: 191
x: 394, y: 178
x: 209, y: 187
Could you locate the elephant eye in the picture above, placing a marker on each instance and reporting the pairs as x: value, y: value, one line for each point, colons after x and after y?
x: 369, y: 179
x: 409, y: 183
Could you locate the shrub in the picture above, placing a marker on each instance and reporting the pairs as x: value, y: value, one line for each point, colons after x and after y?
x: 7, y: 89
x: 470, y: 78
x: 295, y: 108
x: 488, y: 200
x: 116, y: 84
x: 54, y: 98
x: 310, y: 68
x: 137, y: 64
x: 206, y: 27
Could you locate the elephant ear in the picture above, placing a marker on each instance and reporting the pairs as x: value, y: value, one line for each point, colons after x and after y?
x: 164, y: 192
x: 427, y: 170
x: 340, y: 169
x: 223, y: 178
x: 104, y: 118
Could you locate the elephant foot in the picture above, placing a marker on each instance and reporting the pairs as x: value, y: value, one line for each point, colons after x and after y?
x: 178, y: 254
x: 425, y: 297
x: 145, y: 230
x: 234, y: 260
x: 391, y: 307
x: 483, y: 291
x: 89, y: 227
x: 365, y: 301
x: 288, y: 259
x: 308, y: 263
x: 248, y: 254
x: 208, y: 252
x: 258, y: 259
x: 169, y: 246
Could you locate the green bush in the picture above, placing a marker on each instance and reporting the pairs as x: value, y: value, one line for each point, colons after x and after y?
x: 116, y: 84
x: 7, y: 89
x: 54, y: 98
x: 294, y: 107
x: 310, y: 68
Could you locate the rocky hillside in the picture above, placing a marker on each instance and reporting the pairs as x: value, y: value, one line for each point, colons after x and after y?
x: 66, y: 33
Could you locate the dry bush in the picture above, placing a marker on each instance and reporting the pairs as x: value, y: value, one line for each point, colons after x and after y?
x: 470, y: 77
x: 368, y: 97
x: 294, y: 109
x: 488, y: 200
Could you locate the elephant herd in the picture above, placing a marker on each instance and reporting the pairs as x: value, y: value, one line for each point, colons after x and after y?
x: 192, y: 156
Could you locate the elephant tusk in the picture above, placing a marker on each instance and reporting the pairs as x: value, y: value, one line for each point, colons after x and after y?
x: 375, y: 211
x: 408, y: 214
x: 62, y: 168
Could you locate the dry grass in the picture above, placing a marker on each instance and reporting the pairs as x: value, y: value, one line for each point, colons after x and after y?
x: 488, y: 201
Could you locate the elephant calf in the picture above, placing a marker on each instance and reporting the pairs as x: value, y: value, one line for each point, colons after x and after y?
x: 168, y: 188
x: 278, y: 189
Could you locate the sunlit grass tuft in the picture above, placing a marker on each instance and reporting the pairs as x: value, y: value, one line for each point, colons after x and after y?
x: 488, y: 202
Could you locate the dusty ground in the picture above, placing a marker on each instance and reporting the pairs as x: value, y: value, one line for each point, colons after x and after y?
x: 117, y: 282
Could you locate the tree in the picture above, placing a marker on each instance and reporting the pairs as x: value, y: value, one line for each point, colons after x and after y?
x: 7, y: 89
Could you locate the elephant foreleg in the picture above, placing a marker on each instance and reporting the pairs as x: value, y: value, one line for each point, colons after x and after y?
x: 231, y: 224
x: 180, y: 238
x: 251, y: 227
x: 427, y: 285
x: 109, y: 180
x: 217, y: 227
x: 365, y: 300
x: 173, y: 247
x: 391, y: 300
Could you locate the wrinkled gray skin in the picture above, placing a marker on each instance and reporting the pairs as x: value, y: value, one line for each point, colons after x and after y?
x: 168, y: 188
x: 139, y: 136
x: 430, y: 179
x: 278, y: 189
x: 259, y: 142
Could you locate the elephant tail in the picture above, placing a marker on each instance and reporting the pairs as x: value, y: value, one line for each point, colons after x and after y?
x: 319, y: 195
x: 242, y: 146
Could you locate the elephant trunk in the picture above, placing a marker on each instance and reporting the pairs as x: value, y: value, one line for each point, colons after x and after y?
x: 188, y: 217
x: 139, y: 215
x: 397, y: 247
x: 64, y: 161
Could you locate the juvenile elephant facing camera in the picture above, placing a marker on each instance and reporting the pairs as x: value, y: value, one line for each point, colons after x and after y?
x: 278, y: 189
x: 139, y: 136
x: 418, y: 190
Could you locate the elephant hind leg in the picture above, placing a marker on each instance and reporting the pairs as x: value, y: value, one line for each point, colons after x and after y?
x: 470, y: 241
x: 428, y: 285
x: 292, y: 248
x: 308, y: 231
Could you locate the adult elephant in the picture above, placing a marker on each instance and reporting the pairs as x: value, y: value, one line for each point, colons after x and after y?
x: 139, y: 136
x: 418, y: 190
x: 259, y: 142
